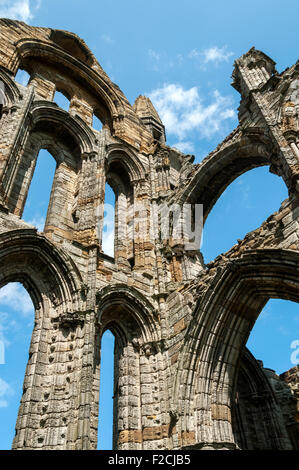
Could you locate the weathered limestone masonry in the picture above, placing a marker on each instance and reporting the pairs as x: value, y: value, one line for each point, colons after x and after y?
x: 183, y: 377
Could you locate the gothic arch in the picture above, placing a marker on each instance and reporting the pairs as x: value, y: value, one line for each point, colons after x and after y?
x: 243, y: 151
x: 28, y: 48
x: 31, y: 259
x: 12, y: 92
x: 128, y: 159
x: 123, y: 171
x: 53, y: 283
x: 10, y: 97
x: 222, y: 323
x: 130, y: 299
x: 256, y: 419
x: 68, y: 140
x: 63, y: 123
x: 133, y: 321
x: 177, y: 362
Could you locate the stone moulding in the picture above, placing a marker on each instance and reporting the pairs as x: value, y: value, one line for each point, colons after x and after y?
x: 183, y: 378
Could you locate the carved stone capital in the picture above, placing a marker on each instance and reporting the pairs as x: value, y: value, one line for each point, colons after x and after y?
x: 152, y: 348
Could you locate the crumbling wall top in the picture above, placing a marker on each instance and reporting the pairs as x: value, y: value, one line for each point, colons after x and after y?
x: 63, y: 59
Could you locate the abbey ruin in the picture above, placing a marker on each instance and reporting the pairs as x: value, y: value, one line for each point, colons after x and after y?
x: 183, y: 376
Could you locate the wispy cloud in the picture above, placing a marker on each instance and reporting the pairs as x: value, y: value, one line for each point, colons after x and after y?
x: 283, y: 330
x: 108, y: 230
x: 107, y: 38
x: 108, y: 243
x: 216, y: 54
x: 161, y: 61
x: 184, y: 146
x: 244, y: 193
x: 183, y: 111
x: 213, y: 55
x: 16, y: 314
x: 5, y: 392
x: 23, y: 10
x: 38, y: 222
x: 154, y: 55
x: 13, y: 295
x: 155, y: 58
x: 4, y: 325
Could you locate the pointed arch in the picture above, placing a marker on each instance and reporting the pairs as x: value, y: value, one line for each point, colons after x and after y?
x: 223, y: 319
x: 106, y: 386
x: 30, y: 49
x: 17, y: 318
x: 127, y: 158
x: 137, y: 305
x: 123, y: 170
x: 68, y: 140
x: 53, y: 283
x: 12, y: 93
x: 257, y: 420
x: 34, y: 261
x: 73, y: 129
x: 244, y: 205
x: 242, y: 151
x: 133, y: 321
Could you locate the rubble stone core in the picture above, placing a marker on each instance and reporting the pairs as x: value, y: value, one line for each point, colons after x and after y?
x: 183, y: 376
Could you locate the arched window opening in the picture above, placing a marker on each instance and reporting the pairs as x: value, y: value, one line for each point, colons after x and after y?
x: 274, y: 335
x: 243, y: 207
x: 37, y: 201
x: 118, y: 178
x: 108, y: 235
x: 265, y: 407
x: 97, y: 123
x: 16, y: 326
x: 62, y: 100
x: 105, y: 426
x: 22, y: 77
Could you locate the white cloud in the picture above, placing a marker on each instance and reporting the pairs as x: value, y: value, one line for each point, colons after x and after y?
x: 194, y: 54
x: 5, y: 391
x: 161, y: 62
x: 108, y: 230
x: 155, y: 59
x: 213, y: 54
x: 179, y: 59
x: 154, y: 55
x: 244, y: 193
x: 38, y: 222
x: 19, y: 9
x: 216, y: 54
x: 108, y: 243
x: 182, y: 111
x: 184, y: 146
x: 4, y: 322
x: 16, y: 297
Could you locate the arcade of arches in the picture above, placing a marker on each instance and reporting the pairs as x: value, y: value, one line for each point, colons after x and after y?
x: 183, y: 376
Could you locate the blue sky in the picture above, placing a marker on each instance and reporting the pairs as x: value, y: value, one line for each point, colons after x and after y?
x: 180, y: 54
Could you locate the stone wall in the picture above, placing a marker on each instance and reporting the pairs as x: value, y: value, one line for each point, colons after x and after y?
x: 182, y: 375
